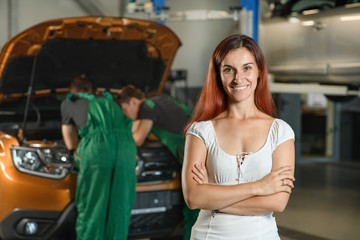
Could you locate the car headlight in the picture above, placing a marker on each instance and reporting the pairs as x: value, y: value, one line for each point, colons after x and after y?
x: 45, y: 162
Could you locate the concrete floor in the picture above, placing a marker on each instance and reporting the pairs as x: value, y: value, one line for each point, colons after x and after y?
x: 325, y: 203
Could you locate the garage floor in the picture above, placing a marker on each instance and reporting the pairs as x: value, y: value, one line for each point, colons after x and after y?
x: 325, y: 203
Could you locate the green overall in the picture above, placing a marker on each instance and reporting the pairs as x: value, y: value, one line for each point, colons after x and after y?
x: 106, y: 183
x: 175, y: 143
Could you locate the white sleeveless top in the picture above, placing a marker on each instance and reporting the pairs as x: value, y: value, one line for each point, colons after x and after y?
x: 223, y: 169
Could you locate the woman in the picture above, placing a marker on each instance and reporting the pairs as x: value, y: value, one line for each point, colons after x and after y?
x: 239, y: 160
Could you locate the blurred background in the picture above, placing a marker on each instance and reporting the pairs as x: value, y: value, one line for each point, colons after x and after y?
x: 312, y: 49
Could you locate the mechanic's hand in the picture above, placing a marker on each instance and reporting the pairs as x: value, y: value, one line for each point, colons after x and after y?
x: 279, y: 180
x: 200, y: 173
x: 77, y: 156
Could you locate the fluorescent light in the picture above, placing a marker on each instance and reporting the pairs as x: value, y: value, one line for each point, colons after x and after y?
x: 310, y: 88
x: 311, y: 11
x: 350, y: 18
x: 308, y: 23
x: 351, y: 5
x: 294, y: 20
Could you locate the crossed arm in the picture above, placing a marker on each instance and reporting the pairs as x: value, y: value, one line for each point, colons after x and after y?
x: 265, y: 195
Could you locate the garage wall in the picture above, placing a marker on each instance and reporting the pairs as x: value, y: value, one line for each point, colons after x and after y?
x: 29, y: 13
x: 36, y: 11
x: 3, y: 22
x: 199, y: 37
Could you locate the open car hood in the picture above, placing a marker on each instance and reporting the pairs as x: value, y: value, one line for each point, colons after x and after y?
x: 113, y: 51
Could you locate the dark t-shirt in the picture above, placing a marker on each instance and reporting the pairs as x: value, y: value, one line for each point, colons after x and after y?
x: 164, y: 113
x: 74, y: 111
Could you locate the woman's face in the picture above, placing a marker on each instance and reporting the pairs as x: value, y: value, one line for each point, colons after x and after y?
x: 239, y: 74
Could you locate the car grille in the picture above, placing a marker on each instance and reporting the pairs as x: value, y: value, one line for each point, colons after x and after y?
x: 158, y: 212
x: 155, y: 165
x: 156, y: 202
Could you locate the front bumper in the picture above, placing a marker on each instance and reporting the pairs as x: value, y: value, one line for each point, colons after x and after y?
x: 154, y: 214
x: 157, y: 214
x: 49, y: 223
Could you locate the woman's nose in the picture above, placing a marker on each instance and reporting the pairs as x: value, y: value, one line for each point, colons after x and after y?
x: 237, y: 78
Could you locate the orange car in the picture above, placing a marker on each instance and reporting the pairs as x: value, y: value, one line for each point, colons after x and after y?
x: 37, y: 179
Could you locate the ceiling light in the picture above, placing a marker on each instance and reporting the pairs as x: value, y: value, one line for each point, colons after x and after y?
x: 350, y: 18
x: 309, y: 12
x: 351, y: 5
x: 294, y: 20
x: 308, y: 23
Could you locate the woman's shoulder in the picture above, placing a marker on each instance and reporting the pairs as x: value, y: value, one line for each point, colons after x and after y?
x: 202, y: 126
x: 281, y: 131
x: 202, y: 130
x: 282, y: 124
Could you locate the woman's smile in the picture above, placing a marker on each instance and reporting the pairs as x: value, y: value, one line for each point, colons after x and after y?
x: 240, y: 88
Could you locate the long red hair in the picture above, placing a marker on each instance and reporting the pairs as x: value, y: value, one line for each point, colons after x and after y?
x: 213, y: 99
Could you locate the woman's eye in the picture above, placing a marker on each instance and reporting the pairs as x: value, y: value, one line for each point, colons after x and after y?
x: 246, y: 68
x: 227, y: 70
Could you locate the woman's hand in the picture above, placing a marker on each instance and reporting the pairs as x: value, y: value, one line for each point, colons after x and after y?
x: 279, y: 180
x: 200, y: 173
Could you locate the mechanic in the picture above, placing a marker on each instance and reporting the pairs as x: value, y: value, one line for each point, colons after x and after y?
x: 164, y: 117
x: 105, y: 154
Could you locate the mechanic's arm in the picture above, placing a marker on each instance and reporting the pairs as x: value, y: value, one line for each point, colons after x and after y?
x: 70, y: 136
x: 282, y: 156
x: 141, y: 129
x: 208, y: 196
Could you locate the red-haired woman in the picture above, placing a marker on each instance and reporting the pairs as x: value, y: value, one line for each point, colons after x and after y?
x: 239, y: 158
